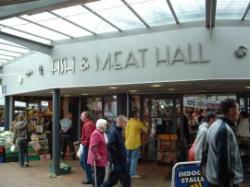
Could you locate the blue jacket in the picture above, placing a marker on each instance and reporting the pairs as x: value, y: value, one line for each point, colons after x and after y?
x: 224, y: 166
x: 116, y: 146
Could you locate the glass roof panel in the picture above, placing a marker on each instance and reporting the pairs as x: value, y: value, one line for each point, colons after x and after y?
x: 26, y: 36
x: 92, y: 22
x: 13, y: 22
x: 153, y: 12
x: 11, y: 43
x: 65, y: 27
x: 231, y: 9
x: 187, y: 10
x: 3, y: 61
x: 6, y: 57
x: 248, y: 15
x: 84, y: 18
x: 71, y: 11
x: 8, y: 53
x: 40, y: 17
x: 40, y: 31
x: 12, y: 48
x: 117, y: 13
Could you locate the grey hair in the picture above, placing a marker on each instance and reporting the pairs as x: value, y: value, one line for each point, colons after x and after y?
x: 121, y: 118
x: 101, y: 123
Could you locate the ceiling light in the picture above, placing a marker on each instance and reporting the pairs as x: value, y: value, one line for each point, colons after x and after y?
x: 85, y: 94
x: 133, y: 91
x: 112, y: 87
x: 171, y: 89
x: 114, y: 97
x: 247, y: 87
x: 155, y: 85
x: 51, y: 92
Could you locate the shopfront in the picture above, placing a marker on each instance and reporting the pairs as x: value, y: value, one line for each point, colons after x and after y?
x: 158, y: 74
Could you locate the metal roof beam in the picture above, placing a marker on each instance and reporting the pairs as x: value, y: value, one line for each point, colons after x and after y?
x: 46, y: 49
x: 172, y: 11
x: 29, y: 33
x: 36, y: 7
x: 73, y: 23
x: 99, y: 16
x: 135, y: 13
x: 210, y: 13
x: 246, y: 12
x: 45, y: 27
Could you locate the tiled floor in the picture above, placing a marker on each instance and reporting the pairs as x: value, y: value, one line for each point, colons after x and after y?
x: 37, y: 175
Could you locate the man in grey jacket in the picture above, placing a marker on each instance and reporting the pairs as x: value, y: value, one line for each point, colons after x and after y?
x: 223, y: 166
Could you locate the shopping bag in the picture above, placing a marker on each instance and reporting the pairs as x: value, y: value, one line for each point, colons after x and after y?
x: 80, y: 151
x: 36, y: 146
x: 13, y: 148
x: 191, y: 153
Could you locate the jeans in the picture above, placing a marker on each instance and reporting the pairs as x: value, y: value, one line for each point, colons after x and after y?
x: 100, y: 174
x: 23, y: 151
x: 119, y: 172
x: 66, y: 140
x: 133, y: 156
x: 83, y: 161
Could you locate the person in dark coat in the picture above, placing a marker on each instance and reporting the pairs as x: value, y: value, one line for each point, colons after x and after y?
x: 21, y: 140
x: 118, y: 155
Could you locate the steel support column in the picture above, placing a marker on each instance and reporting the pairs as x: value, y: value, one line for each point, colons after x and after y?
x: 55, y: 131
x: 7, y: 112
x: 11, y: 109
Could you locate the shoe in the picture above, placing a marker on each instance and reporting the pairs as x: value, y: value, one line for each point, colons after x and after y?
x: 26, y: 164
x: 136, y: 177
x: 86, y: 182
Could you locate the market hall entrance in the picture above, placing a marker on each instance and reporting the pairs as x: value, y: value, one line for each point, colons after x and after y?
x: 160, y: 113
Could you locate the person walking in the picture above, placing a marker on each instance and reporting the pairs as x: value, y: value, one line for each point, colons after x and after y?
x: 133, y: 132
x: 88, y: 127
x: 118, y: 156
x: 98, y: 153
x: 201, y: 136
x: 21, y: 140
x: 66, y: 136
x: 223, y: 166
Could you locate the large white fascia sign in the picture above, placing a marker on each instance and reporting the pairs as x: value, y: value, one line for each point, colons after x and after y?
x: 119, y: 60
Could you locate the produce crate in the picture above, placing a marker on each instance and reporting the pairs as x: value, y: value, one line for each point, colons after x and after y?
x: 11, y: 159
x: 34, y: 158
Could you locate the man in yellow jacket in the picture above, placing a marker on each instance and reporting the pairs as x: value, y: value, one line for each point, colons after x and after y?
x: 133, y: 132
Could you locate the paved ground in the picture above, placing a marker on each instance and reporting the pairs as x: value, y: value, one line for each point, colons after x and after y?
x: 37, y: 175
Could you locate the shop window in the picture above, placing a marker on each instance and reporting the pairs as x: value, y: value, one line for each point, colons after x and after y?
x: 110, y: 106
x: 94, y: 106
x: 135, y: 103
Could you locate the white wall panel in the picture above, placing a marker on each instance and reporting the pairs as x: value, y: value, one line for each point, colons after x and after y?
x: 219, y: 49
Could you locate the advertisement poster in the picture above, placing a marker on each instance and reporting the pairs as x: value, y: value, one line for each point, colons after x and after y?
x: 187, y: 174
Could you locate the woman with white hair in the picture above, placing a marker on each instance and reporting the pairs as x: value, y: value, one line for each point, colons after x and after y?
x: 98, y: 153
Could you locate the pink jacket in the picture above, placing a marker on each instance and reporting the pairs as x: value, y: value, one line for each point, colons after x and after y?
x: 98, y: 149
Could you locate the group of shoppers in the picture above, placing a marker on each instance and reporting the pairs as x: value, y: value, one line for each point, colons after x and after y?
x: 116, y: 148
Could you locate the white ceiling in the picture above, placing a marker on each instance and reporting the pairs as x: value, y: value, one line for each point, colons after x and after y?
x: 211, y: 86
